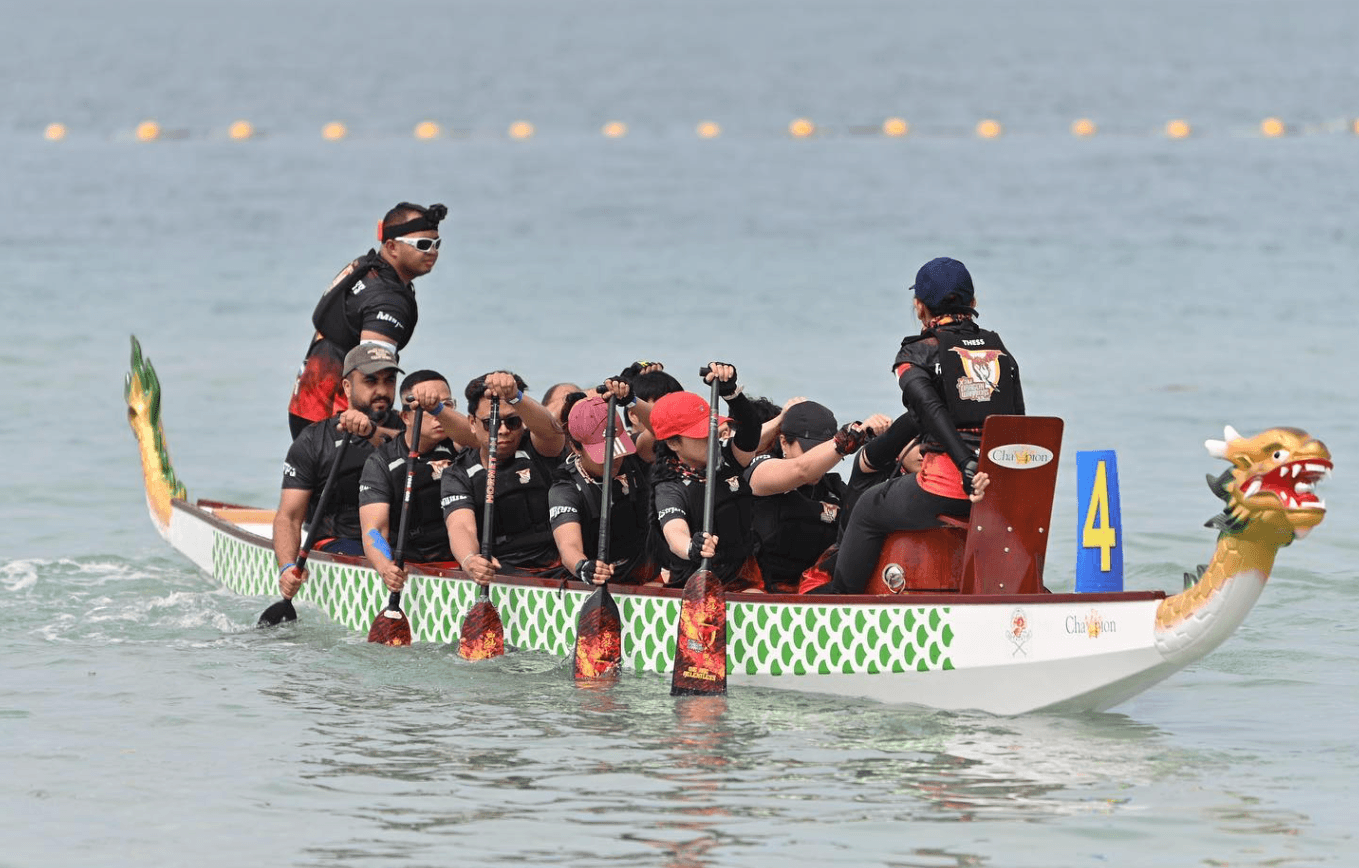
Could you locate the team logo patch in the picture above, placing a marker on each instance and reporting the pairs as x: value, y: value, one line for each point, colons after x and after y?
x: 734, y: 483
x: 1019, y: 632
x: 981, y: 373
x: 525, y: 475
x: 830, y: 512
x: 437, y: 468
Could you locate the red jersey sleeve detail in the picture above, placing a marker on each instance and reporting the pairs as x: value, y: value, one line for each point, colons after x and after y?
x: 902, y: 368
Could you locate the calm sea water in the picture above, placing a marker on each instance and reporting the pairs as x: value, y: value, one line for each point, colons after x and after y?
x: 1152, y: 289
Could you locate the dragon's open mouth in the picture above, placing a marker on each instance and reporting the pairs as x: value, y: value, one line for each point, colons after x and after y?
x: 1293, y: 483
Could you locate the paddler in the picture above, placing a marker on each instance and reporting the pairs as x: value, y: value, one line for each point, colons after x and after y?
x: 369, y: 387
x: 679, y: 422
x: 371, y: 300
x: 528, y: 452
x: 798, y: 496
x: 576, y: 497
x: 382, y: 488
x: 953, y: 375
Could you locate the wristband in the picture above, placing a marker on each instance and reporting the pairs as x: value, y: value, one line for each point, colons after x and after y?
x: 580, y: 568
x: 287, y: 566
x: 438, y: 408
x: 516, y: 399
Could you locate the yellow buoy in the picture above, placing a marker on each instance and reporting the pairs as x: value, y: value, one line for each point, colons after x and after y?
x: 989, y: 129
x: 521, y: 130
x: 241, y: 130
x: 54, y: 132
x: 1272, y: 128
x: 895, y: 127
x: 1083, y: 128
x: 1178, y: 129
x: 614, y: 130
x: 334, y: 131
x: 801, y: 128
x: 427, y: 130
x: 148, y: 131
x: 708, y: 130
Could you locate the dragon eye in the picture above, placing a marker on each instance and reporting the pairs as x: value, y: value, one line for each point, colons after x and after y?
x: 1280, y: 455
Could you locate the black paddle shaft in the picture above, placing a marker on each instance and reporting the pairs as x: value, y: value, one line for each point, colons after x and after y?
x: 308, y: 535
x: 710, y: 478
x: 606, y: 494
x: 399, y: 553
x: 488, y: 509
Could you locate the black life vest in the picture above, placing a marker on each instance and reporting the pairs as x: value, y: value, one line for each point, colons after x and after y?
x: 974, y: 375
x: 793, y: 529
x: 521, y: 515
x: 426, y: 533
x: 630, y: 520
x: 336, y: 318
x: 732, y: 523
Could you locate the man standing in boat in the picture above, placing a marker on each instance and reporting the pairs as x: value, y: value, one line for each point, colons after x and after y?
x: 371, y: 300
x: 953, y: 375
x: 369, y: 386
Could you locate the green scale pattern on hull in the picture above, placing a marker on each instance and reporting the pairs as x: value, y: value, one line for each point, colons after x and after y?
x: 763, y: 638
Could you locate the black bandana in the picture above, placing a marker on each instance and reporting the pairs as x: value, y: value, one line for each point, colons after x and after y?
x: 429, y: 219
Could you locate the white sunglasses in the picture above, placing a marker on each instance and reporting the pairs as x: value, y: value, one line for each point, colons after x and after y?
x: 424, y: 245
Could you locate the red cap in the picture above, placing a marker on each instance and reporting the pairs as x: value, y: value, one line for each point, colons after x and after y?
x: 587, y: 421
x: 681, y: 414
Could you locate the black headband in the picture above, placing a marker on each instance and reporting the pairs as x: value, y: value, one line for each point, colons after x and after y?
x: 429, y: 219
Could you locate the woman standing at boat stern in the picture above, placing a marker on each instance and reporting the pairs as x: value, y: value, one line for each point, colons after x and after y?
x: 953, y: 375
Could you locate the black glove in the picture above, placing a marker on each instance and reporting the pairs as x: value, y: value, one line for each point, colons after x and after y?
x: 585, y: 570
x: 634, y: 369
x: 626, y: 400
x: 728, y: 388
x: 848, y: 439
x: 695, y: 552
x: 969, y: 471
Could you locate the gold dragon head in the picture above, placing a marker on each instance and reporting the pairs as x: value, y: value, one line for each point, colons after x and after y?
x: 1270, y: 490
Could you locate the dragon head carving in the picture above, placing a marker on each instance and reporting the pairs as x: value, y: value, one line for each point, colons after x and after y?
x: 1270, y: 490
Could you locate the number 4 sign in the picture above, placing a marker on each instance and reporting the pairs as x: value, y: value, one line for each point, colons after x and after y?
x: 1099, y: 539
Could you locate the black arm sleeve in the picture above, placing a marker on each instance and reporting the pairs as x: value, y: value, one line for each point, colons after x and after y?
x: 882, y: 450
x: 929, y: 408
x: 747, y: 436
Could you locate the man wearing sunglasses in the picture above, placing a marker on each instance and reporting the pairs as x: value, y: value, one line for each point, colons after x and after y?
x: 371, y: 301
x: 525, y: 466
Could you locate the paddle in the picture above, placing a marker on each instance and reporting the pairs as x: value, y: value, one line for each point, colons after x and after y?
x: 483, y: 635
x: 283, y: 610
x: 599, y: 628
x: 391, y: 627
x: 701, y: 634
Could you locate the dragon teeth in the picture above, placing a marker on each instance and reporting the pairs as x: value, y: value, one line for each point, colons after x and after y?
x: 1297, y: 468
x: 1303, y: 488
x: 1253, y: 488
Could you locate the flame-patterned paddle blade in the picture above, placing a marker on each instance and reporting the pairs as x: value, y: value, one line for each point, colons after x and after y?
x: 483, y: 635
x: 390, y: 627
x: 701, y: 643
x: 599, y: 637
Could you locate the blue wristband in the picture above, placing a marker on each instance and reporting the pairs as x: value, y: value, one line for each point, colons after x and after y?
x: 379, y: 543
x: 517, y: 398
x: 438, y: 408
x: 287, y: 566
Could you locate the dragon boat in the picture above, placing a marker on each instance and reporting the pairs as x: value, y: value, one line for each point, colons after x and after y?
x: 959, y: 617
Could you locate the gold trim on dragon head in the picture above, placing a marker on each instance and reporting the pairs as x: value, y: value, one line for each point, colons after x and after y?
x: 1270, y: 490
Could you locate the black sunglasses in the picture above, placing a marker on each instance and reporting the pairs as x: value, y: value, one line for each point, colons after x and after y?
x: 509, y: 423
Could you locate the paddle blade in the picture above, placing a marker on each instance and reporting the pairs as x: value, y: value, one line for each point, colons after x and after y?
x: 390, y: 627
x: 483, y: 636
x: 701, y: 641
x: 277, y: 613
x: 599, y: 637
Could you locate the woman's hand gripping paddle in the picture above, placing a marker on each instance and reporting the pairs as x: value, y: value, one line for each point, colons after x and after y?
x: 483, y: 635
x: 599, y: 629
x: 701, y: 638
x: 391, y: 627
x: 283, y: 610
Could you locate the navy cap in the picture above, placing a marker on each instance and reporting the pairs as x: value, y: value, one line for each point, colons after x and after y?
x: 944, y: 286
